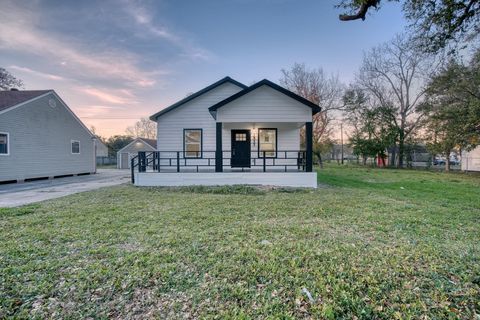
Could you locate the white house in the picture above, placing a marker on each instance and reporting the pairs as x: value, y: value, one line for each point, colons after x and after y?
x: 471, y: 160
x: 125, y: 154
x: 229, y: 133
x: 40, y: 137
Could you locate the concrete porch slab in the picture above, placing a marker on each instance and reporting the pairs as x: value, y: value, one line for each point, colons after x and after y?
x: 283, y: 179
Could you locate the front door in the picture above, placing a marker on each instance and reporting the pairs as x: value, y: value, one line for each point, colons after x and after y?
x: 240, y: 148
x: 125, y: 163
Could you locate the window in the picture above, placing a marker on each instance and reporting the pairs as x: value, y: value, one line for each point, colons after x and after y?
x: 75, y: 147
x: 4, y: 147
x: 267, y: 141
x: 192, y: 143
x: 240, y: 137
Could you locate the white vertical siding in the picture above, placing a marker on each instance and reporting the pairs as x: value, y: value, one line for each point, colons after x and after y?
x: 264, y: 104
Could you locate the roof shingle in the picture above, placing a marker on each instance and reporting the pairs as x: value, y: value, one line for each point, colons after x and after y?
x: 10, y: 99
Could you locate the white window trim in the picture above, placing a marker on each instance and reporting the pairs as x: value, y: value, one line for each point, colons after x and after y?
x: 71, y: 145
x: 8, y: 144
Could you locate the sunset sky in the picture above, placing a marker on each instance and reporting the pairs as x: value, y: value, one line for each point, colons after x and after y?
x: 114, y: 62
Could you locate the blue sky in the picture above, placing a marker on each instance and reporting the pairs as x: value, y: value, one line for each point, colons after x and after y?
x: 116, y: 61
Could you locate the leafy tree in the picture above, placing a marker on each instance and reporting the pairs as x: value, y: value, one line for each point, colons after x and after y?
x: 453, y: 108
x: 8, y: 81
x: 374, y: 128
x: 117, y: 142
x: 436, y: 22
x: 144, y: 128
x: 321, y: 147
x: 394, y: 75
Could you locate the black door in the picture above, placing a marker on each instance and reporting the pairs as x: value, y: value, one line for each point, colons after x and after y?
x: 240, y: 148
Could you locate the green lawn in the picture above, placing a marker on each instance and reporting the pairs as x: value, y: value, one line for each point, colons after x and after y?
x: 370, y: 244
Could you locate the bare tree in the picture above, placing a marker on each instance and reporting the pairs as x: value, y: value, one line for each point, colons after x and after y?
x: 316, y: 86
x: 144, y: 128
x: 395, y: 74
x: 8, y: 81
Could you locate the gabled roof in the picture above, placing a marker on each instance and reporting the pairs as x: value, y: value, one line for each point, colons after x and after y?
x: 195, y: 95
x: 10, y: 99
x: 18, y: 98
x: 315, y: 108
x: 150, y: 142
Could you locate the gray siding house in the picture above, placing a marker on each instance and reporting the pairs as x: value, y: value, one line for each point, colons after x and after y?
x: 229, y: 133
x: 101, y: 150
x: 471, y: 160
x: 125, y: 154
x: 40, y: 137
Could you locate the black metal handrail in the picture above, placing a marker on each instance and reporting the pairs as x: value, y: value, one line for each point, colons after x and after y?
x: 175, y: 161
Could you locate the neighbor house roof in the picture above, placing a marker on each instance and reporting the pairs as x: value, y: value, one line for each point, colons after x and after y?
x: 150, y: 142
x: 17, y: 98
x: 195, y: 95
x: 265, y: 82
x: 12, y: 98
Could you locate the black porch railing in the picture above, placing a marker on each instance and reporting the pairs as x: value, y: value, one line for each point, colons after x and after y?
x: 180, y: 161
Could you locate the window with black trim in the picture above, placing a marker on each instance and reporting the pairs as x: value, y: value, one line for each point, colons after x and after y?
x: 192, y: 143
x: 75, y: 146
x: 4, y: 147
x: 267, y: 141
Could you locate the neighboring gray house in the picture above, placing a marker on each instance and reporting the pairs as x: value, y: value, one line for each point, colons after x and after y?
x: 471, y: 160
x: 125, y: 154
x: 101, y: 150
x: 40, y: 137
x: 230, y: 133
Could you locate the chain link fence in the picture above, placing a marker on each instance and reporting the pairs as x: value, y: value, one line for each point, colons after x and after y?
x: 461, y: 164
x: 106, y: 161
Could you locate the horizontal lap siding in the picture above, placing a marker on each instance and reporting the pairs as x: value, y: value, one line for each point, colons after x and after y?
x: 288, y: 135
x: 288, y: 139
x: 264, y: 105
x: 192, y: 115
x: 40, y: 142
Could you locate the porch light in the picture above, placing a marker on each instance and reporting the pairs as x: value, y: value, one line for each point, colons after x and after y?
x: 254, y: 136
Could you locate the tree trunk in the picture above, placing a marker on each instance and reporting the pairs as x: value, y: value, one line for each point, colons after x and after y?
x: 447, y: 160
x: 393, y: 156
x: 320, y: 161
x: 401, y: 148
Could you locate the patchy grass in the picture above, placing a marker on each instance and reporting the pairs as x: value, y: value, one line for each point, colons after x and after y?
x: 376, y: 244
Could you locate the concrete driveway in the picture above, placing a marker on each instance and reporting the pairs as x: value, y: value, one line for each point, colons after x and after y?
x: 17, y: 194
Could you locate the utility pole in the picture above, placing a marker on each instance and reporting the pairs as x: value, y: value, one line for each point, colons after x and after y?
x: 341, y: 135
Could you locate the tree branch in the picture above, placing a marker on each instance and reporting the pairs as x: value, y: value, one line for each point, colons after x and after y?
x: 362, y: 11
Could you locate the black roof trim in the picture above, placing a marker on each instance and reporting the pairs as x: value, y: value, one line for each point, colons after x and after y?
x: 315, y: 108
x: 195, y: 95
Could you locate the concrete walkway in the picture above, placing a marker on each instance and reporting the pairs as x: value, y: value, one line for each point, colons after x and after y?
x: 18, y: 194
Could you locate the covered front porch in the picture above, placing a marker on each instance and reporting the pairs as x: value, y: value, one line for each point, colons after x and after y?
x: 266, y: 153
x: 253, y: 138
